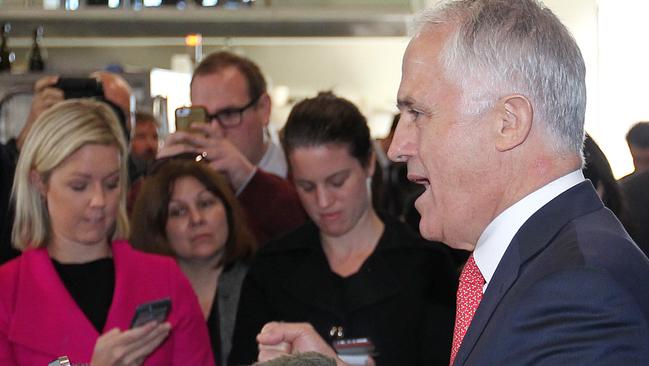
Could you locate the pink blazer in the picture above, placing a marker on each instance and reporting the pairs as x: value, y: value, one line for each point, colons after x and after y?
x: 39, y: 320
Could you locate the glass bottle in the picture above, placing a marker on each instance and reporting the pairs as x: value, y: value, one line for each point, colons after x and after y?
x: 6, y: 55
x: 36, y: 54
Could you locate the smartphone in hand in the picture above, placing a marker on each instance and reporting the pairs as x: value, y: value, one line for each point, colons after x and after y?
x: 157, y: 310
x: 354, y: 352
x: 186, y: 116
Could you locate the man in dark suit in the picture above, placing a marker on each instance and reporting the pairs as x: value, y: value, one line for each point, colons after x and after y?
x: 492, y: 98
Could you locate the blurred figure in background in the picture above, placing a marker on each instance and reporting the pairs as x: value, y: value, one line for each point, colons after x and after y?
x: 75, y: 288
x: 636, y: 190
x: 636, y: 185
x: 638, y: 140
x: 349, y: 267
x: 598, y: 170
x: 144, y: 144
x: 187, y: 211
x: 236, y: 142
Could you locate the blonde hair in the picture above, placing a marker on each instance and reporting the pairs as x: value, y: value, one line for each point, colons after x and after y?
x: 58, y: 133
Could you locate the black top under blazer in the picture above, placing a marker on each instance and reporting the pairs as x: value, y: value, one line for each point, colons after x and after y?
x: 402, y: 298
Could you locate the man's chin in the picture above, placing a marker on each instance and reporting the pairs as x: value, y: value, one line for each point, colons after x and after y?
x: 428, y: 234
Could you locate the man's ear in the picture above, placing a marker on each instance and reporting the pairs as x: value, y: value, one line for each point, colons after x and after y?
x: 37, y: 180
x: 515, y: 116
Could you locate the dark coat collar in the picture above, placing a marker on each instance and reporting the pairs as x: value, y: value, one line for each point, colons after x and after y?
x: 312, y: 280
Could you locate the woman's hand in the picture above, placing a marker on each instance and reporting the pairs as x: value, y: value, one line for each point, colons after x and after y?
x: 129, y: 347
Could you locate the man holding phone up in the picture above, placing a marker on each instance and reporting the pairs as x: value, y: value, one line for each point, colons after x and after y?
x: 235, y: 142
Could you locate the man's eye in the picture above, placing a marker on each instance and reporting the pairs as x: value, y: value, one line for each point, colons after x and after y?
x: 414, y: 113
x: 227, y: 114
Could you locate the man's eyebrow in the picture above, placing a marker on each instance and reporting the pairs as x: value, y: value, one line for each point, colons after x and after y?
x: 405, y: 102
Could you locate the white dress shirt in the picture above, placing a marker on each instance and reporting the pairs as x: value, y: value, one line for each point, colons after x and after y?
x: 495, y: 239
x: 274, y: 160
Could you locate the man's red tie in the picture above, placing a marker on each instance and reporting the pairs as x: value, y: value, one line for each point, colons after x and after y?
x: 469, y: 294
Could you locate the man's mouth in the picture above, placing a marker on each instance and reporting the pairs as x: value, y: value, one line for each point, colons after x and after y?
x: 418, y: 179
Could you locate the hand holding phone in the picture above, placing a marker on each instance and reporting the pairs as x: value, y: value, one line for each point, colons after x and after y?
x: 157, y: 311
x: 129, y: 347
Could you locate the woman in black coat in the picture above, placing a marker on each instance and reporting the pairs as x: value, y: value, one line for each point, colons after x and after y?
x: 349, y: 270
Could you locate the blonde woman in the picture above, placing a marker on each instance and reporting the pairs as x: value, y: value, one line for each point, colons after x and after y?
x: 76, y: 286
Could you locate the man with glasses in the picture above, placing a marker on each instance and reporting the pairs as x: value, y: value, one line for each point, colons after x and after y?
x: 236, y: 142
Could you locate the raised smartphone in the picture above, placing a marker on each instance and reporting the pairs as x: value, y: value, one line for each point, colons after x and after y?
x: 186, y: 116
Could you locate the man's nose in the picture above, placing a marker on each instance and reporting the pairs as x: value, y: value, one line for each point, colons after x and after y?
x: 403, y: 144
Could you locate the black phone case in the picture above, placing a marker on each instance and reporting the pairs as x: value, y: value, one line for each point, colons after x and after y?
x: 157, y: 310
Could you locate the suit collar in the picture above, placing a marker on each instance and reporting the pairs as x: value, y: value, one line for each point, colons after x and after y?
x: 495, y: 239
x: 534, y: 236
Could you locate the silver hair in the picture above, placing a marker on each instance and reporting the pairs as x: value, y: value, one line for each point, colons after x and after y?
x: 502, y: 47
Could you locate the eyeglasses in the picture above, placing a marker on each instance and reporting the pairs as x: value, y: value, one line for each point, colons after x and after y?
x: 231, y: 117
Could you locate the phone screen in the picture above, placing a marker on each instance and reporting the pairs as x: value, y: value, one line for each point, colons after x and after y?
x: 186, y: 116
x: 157, y: 310
x: 355, y: 352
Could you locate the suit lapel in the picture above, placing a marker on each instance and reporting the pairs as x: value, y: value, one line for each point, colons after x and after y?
x: 535, y: 234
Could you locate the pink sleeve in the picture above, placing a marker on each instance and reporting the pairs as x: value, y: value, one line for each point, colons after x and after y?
x: 190, y: 339
x: 7, y: 284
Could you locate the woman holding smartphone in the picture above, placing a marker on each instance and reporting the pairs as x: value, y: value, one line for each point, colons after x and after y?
x: 350, y: 267
x: 76, y: 286
x: 186, y: 210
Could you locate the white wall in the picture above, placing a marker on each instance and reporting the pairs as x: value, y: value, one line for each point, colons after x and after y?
x: 612, y: 35
x: 624, y: 75
x: 367, y: 71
